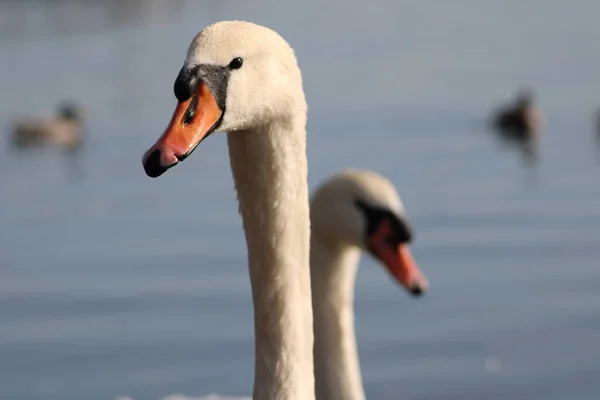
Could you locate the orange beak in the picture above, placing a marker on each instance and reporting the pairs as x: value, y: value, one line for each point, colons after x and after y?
x: 398, y: 260
x: 193, y: 120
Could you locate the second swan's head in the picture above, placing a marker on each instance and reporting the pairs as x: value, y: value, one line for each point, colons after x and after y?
x: 362, y: 209
x: 237, y: 76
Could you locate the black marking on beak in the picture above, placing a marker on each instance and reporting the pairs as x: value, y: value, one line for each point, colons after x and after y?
x: 402, y: 231
x: 216, y: 78
x: 185, y: 83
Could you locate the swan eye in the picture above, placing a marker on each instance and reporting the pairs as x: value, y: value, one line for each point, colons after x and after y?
x: 236, y: 63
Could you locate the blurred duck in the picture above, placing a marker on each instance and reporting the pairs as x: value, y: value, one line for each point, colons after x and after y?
x: 520, y: 124
x: 65, y: 130
x: 521, y: 120
x: 352, y: 212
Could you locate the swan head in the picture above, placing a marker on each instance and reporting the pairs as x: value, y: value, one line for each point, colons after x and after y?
x: 237, y: 76
x: 363, y: 209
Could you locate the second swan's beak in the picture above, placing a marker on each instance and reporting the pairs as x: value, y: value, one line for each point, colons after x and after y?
x: 399, y: 261
x: 193, y: 120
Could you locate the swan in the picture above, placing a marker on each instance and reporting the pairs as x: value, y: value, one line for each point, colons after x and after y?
x: 352, y: 211
x: 243, y: 79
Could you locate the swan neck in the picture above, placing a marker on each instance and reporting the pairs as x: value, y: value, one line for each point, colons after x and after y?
x: 269, y: 167
x: 337, y: 367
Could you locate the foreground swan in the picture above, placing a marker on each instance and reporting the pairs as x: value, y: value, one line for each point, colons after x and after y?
x: 353, y: 211
x: 243, y: 79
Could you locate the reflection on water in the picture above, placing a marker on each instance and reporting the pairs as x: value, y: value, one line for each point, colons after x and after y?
x: 115, y: 284
x: 527, y: 150
x: 73, y: 160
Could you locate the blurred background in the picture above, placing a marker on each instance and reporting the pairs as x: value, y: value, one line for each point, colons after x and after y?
x: 114, y: 284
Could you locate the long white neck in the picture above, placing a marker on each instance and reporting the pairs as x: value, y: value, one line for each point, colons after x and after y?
x: 270, y: 173
x: 333, y: 273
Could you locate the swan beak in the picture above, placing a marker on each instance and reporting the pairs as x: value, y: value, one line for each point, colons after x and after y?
x: 193, y: 120
x: 399, y: 261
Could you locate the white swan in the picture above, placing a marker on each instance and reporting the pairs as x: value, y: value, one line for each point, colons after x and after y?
x: 243, y: 79
x: 352, y: 211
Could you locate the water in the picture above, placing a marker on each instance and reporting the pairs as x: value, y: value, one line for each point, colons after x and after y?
x: 112, y: 283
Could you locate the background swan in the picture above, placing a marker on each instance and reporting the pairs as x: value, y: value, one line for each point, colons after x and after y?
x: 243, y: 79
x: 351, y: 212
